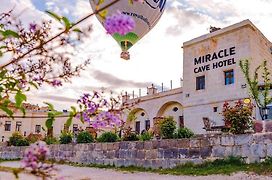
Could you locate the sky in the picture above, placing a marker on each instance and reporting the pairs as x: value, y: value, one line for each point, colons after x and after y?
x: 157, y: 58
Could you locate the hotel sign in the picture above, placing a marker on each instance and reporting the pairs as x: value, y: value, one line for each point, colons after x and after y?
x: 219, y: 59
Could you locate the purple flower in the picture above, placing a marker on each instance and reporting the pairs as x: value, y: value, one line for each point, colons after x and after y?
x: 119, y: 23
x: 32, y: 27
x: 56, y: 83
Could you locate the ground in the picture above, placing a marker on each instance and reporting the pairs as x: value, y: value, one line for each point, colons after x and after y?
x: 86, y: 173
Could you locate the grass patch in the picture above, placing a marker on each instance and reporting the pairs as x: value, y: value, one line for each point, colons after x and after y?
x: 226, y: 166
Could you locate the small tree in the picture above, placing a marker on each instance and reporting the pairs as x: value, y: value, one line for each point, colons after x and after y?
x: 260, y: 94
x: 167, y: 127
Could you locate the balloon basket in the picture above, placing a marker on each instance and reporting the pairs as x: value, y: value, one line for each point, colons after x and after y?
x: 125, y: 55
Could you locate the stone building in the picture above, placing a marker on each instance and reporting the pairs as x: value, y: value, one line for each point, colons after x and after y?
x: 211, y: 76
x: 33, y: 122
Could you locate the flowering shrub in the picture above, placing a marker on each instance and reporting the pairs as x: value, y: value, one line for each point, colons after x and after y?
x: 34, y: 137
x: 34, y: 160
x: 99, y: 111
x: 146, y: 136
x: 238, y: 118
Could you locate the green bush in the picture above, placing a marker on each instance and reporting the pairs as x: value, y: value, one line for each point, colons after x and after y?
x: 50, y: 140
x: 107, y: 137
x: 22, y: 142
x: 84, y: 137
x: 18, y: 140
x: 131, y: 137
x: 167, y: 127
x: 184, y: 133
x: 66, y: 138
x: 146, y: 136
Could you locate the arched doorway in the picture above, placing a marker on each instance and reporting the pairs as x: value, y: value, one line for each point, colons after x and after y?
x: 173, y: 109
x: 139, y: 120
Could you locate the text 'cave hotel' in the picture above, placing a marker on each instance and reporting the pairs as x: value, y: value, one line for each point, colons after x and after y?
x: 211, y: 76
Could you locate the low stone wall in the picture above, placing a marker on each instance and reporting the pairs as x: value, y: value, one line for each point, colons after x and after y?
x: 159, y: 153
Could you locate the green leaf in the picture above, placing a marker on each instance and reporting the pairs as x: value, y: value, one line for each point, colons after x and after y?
x: 50, y: 106
x: 54, y: 15
x: 69, y: 120
x: 66, y: 23
x: 34, y: 84
x: 77, y: 30
x: 19, y: 99
x: 74, y: 111
x: 7, y: 111
x: 8, y: 33
x: 57, y: 113
x: 3, y: 73
x: 49, y: 123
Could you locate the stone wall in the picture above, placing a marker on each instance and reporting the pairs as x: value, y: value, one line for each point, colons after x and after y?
x: 159, y: 153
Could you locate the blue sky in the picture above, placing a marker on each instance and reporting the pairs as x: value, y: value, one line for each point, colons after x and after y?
x: 155, y: 59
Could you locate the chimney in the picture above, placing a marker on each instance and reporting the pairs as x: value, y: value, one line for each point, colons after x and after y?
x: 152, y: 90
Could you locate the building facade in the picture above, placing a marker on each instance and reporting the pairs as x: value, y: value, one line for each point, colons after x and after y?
x: 34, y: 122
x: 211, y: 76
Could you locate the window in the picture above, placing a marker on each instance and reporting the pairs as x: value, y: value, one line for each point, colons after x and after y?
x: 200, y: 82
x: 215, y: 109
x: 7, y: 125
x: 229, y: 77
x: 147, y: 125
x: 18, y: 126
x: 181, y: 122
x: 175, y: 109
x: 38, y: 129
x: 75, y: 128
x: 138, y: 127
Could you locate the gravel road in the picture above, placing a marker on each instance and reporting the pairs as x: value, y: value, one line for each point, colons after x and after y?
x: 84, y: 173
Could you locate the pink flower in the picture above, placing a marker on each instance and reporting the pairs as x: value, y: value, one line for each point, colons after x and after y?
x: 56, y: 83
x: 119, y: 23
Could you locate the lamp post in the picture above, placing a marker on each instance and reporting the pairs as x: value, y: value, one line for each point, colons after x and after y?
x: 265, y: 113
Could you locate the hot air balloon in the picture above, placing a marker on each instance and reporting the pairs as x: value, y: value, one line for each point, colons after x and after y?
x: 146, y: 14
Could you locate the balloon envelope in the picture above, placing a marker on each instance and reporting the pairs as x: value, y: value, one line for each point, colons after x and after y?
x: 145, y: 15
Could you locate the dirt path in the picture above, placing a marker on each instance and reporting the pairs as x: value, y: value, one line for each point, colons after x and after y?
x: 82, y: 173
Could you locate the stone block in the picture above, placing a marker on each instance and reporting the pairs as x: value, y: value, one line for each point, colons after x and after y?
x: 151, y: 154
x: 140, y: 154
x: 110, y: 146
x: 258, y: 150
x: 104, y: 146
x: 218, y: 151
x: 116, y: 146
x: 195, y: 143
x: 243, y: 139
x: 161, y: 153
x: 155, y: 144
x: 268, y: 138
x: 205, y: 152
x: 269, y: 150
x: 237, y: 151
x: 183, y: 143
x: 245, y: 150
x: 139, y: 145
x: 147, y: 163
x: 120, y: 163
x: 132, y: 153
x: 148, y: 145
x: 205, y: 142
x: 227, y: 140
x: 131, y: 145
x: 194, y: 152
x: 168, y: 153
x: 258, y: 138
x: 183, y: 153
x: 164, y: 143
x: 98, y: 146
x: 156, y: 164
x: 228, y: 151
x: 123, y: 145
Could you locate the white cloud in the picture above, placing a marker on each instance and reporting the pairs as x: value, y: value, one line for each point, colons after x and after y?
x: 158, y: 56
